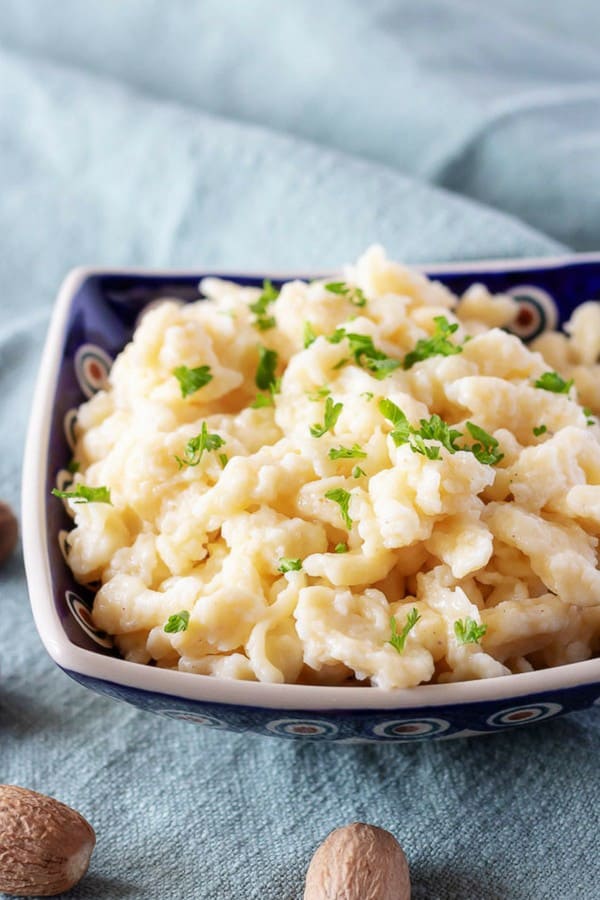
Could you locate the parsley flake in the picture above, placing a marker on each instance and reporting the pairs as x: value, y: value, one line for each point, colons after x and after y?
x: 342, y: 498
x: 191, y: 380
x: 365, y: 353
x: 552, y: 381
x: 84, y: 494
x: 357, y: 472
x: 353, y: 294
x: 262, y: 400
x: 439, y: 344
x: 265, y: 373
x: 398, y: 639
x: 289, y: 565
x: 467, y: 631
x: 73, y: 466
x: 196, y: 446
x: 177, y: 622
x: 319, y: 393
x: 269, y: 294
x: 539, y: 429
x: 587, y: 412
x: 223, y: 459
x: 486, y: 447
x: 340, y: 548
x: 332, y: 414
x: 353, y: 452
x: 308, y: 335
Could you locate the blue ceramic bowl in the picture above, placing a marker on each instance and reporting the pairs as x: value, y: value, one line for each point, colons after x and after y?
x: 94, y: 317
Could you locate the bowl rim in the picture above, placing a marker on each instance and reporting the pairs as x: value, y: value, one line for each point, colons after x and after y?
x: 209, y: 689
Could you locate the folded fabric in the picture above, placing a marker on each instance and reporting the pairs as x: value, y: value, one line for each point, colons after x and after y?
x: 500, y: 102
x: 91, y: 172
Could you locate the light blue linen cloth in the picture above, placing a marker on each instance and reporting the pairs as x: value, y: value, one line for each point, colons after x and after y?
x: 154, y: 134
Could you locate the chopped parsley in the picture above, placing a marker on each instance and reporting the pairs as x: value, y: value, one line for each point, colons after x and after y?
x: 84, y: 494
x: 439, y: 344
x: 269, y: 294
x: 587, y: 412
x: 340, y: 548
x: 342, y: 498
x: 319, y: 393
x: 539, y: 429
x: 265, y: 372
x: 398, y: 639
x: 73, y: 466
x: 309, y: 335
x: 353, y: 452
x: 223, y: 459
x: 552, y: 381
x: 196, y: 446
x: 467, y: 631
x: 289, y: 565
x: 262, y: 400
x: 485, y: 448
x: 177, y: 622
x: 365, y: 353
x: 191, y: 380
x: 353, y: 294
x: 332, y: 414
x: 357, y: 472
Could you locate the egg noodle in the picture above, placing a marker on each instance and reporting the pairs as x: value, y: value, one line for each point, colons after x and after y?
x: 360, y: 479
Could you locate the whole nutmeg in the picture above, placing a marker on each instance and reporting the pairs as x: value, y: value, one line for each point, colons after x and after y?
x: 9, y: 531
x: 45, y: 846
x: 358, y: 862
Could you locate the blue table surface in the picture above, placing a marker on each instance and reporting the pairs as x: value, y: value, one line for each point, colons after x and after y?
x: 266, y: 135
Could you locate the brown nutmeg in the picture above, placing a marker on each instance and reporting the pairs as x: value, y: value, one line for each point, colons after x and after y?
x: 45, y: 846
x: 9, y: 531
x: 358, y: 862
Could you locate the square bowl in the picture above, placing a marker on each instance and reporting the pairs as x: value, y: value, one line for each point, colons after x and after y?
x: 94, y: 317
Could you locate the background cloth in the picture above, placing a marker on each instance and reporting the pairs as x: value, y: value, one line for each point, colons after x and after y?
x: 273, y: 135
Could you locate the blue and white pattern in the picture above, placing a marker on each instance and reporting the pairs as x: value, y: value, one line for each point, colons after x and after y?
x: 411, y: 729
x: 92, y: 365
x: 537, y: 312
x: 81, y: 612
x: 303, y: 728
x: 521, y: 715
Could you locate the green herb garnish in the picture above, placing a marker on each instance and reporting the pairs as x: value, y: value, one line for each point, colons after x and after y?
x: 357, y: 472
x: 353, y: 452
x: 398, y: 639
x: 73, y: 466
x: 340, y: 548
x: 309, y: 335
x: 439, y: 344
x: 84, y: 494
x: 401, y: 431
x: 319, y: 393
x: 196, y: 446
x: 223, y: 459
x: 177, y: 622
x: 332, y: 414
x: 552, y: 381
x: 262, y: 400
x: 191, y: 380
x: 267, y: 364
x: 289, y: 565
x: 353, y: 294
x: 590, y: 413
x: 269, y: 294
x: 486, y: 447
x: 342, y: 498
x: 467, y: 631
x: 365, y: 353
x: 539, y: 429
